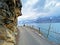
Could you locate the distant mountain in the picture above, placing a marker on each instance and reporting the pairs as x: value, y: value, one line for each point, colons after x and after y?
x: 27, y: 21
x: 51, y: 19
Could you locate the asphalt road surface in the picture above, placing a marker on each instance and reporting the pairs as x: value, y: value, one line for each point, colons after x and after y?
x: 28, y: 37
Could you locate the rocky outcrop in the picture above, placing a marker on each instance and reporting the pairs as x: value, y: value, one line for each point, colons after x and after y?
x: 9, y: 11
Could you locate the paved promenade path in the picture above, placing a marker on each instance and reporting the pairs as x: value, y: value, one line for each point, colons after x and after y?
x: 28, y: 37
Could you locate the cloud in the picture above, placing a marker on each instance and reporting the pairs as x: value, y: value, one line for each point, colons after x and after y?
x: 33, y: 9
x: 57, y: 5
x: 50, y: 4
x: 52, y: 8
x: 31, y: 2
x: 27, y: 9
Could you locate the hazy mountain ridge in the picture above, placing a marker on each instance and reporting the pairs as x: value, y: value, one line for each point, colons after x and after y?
x: 52, y: 19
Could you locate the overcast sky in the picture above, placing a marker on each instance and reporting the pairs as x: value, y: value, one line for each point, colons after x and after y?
x: 33, y: 9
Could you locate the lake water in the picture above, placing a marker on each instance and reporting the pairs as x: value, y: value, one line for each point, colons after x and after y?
x: 54, y: 30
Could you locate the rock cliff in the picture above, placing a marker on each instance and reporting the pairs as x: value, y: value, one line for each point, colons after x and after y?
x: 9, y: 11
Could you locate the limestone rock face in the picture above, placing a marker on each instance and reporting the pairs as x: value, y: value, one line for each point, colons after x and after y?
x: 9, y: 11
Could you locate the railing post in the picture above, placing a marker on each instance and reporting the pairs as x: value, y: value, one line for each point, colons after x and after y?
x: 49, y: 30
x: 39, y: 30
x: 49, y: 27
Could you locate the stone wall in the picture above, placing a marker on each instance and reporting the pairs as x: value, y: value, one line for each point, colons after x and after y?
x: 9, y: 11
